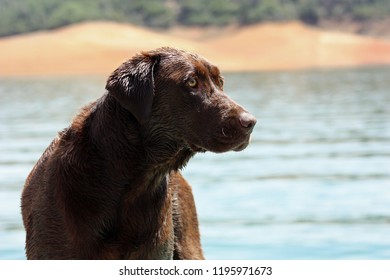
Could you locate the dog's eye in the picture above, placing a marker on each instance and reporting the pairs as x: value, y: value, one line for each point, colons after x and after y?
x: 221, y: 81
x: 192, y: 82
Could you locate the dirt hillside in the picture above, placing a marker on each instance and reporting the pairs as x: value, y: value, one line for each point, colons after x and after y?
x: 99, y: 47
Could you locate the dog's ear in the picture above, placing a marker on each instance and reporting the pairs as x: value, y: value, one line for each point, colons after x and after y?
x: 132, y: 85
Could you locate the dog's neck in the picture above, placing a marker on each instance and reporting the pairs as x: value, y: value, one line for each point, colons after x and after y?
x: 117, y: 132
x: 164, y: 153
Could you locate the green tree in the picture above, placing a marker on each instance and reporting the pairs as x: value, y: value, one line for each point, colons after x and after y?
x: 19, y: 16
x: 206, y: 12
x: 252, y: 11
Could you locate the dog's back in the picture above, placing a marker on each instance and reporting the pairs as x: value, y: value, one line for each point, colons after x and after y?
x: 44, y: 201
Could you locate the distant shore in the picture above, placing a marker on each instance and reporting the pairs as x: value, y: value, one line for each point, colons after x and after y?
x: 99, y: 47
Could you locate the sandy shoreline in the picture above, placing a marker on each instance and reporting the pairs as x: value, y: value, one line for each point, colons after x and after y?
x: 99, y: 47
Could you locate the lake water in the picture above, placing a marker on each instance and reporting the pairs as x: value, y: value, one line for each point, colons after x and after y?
x: 314, y: 183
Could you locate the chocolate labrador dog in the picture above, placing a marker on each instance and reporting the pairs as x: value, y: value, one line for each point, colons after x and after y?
x: 109, y: 186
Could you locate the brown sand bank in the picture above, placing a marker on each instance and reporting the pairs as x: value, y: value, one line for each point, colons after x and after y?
x: 99, y: 47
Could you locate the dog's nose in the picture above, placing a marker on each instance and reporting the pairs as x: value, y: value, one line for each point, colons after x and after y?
x: 247, y: 121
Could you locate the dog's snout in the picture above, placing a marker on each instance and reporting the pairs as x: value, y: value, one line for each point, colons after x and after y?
x: 246, y: 121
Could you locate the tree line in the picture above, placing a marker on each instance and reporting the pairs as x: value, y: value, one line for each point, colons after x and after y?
x: 20, y: 16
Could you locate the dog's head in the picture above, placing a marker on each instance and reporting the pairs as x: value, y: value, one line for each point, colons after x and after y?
x: 182, y: 94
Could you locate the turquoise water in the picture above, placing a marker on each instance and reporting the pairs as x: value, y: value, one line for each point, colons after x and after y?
x: 314, y: 183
